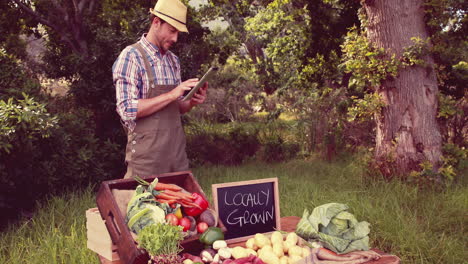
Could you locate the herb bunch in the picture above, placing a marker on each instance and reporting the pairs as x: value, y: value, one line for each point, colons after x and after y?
x: 161, y: 239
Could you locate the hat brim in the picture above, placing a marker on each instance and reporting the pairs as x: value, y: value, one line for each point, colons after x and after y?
x: 179, y: 26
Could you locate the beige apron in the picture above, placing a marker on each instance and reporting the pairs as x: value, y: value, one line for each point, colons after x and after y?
x: 157, y: 144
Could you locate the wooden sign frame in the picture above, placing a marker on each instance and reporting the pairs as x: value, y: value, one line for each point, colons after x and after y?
x: 215, y: 188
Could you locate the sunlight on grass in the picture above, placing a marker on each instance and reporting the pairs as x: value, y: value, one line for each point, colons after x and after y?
x: 55, y: 234
x: 420, y: 226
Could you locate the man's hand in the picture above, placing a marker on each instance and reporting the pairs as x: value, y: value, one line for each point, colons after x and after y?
x: 196, y: 99
x: 200, y: 96
x: 184, y: 86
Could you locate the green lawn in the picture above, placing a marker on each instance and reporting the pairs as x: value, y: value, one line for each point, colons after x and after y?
x: 420, y: 226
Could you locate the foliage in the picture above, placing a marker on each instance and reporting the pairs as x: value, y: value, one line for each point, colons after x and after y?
x: 231, y: 97
x: 65, y: 155
x: 446, y: 22
x: 23, y: 123
x: 455, y: 162
x: 275, y: 147
x: 230, y: 146
x: 365, y: 108
x: 369, y: 65
x: 413, y: 55
x: 288, y: 44
x: 15, y: 80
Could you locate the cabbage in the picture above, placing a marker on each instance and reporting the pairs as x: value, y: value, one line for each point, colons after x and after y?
x: 336, y: 228
x: 143, y: 210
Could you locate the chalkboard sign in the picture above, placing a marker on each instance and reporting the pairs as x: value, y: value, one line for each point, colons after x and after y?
x: 247, y: 207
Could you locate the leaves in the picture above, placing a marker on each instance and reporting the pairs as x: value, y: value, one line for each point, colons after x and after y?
x: 24, y: 117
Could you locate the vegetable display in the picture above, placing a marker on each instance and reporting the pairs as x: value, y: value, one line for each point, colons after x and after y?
x: 336, y: 228
x: 278, y: 248
x: 163, y: 215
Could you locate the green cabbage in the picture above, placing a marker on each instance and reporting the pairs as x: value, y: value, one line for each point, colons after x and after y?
x: 143, y: 210
x: 336, y: 228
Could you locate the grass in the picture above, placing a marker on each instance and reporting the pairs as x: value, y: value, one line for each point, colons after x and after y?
x: 56, y: 233
x: 420, y: 226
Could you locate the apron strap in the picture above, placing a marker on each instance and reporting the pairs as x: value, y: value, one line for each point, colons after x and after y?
x: 146, y: 63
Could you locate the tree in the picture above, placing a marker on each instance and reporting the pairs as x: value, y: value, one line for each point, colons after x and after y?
x: 407, y: 130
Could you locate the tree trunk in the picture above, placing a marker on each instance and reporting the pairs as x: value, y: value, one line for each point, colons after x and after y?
x: 407, y: 130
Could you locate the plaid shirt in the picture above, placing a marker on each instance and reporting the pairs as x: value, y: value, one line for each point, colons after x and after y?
x: 131, y: 81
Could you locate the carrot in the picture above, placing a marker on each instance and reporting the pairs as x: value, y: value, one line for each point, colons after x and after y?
x: 326, y: 254
x: 190, y: 205
x: 166, y: 196
x: 165, y: 186
x: 169, y: 202
x: 180, y: 194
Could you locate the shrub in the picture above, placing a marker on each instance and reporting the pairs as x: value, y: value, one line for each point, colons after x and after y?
x: 235, y: 143
x: 54, y: 158
x: 232, y: 146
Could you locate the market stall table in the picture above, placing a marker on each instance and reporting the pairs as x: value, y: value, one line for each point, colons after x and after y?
x: 288, y: 224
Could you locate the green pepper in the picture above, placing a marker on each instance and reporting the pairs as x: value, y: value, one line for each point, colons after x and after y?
x: 211, y: 235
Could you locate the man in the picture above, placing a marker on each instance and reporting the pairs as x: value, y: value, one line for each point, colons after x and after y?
x: 148, y: 90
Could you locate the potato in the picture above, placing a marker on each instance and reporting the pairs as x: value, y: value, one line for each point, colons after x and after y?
x: 293, y: 259
x: 261, y: 240
x: 251, y: 252
x: 267, y: 248
x: 284, y: 260
x: 295, y: 250
x: 278, y: 249
x: 306, y: 251
x: 287, y: 245
x: 269, y: 257
x: 251, y: 244
x: 276, y: 237
x: 292, y: 237
x: 239, y: 252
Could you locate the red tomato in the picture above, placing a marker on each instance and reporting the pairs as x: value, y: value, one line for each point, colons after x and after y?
x: 201, y: 227
x: 185, y: 223
x: 172, y: 219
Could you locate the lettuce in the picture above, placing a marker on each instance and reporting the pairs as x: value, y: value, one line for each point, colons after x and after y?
x: 335, y: 227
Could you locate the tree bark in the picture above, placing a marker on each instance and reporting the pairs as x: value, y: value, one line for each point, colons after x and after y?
x: 407, y: 129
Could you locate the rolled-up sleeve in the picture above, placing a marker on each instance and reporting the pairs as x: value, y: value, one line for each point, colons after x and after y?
x: 126, y: 74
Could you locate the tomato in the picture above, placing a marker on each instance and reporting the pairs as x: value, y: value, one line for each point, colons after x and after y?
x: 201, y: 227
x: 172, y: 219
x: 185, y: 223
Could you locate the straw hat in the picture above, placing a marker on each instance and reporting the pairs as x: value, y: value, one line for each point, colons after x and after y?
x: 173, y: 12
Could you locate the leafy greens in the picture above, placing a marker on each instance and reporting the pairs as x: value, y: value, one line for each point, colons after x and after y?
x: 335, y: 227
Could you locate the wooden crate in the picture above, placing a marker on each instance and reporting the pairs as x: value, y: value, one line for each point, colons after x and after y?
x: 98, y: 239
x: 115, y: 219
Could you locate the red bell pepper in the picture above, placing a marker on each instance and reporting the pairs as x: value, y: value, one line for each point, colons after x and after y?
x: 196, y: 211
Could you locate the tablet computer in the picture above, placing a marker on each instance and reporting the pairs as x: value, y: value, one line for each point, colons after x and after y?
x: 202, y: 81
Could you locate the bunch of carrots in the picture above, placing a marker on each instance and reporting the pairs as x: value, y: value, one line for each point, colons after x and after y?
x: 172, y: 194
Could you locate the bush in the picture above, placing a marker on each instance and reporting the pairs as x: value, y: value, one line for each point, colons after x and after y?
x: 235, y: 143
x: 50, y: 159
x: 233, y: 146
